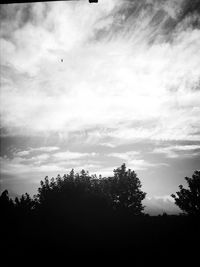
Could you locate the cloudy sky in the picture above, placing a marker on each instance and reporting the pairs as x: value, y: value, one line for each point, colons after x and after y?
x: 92, y: 86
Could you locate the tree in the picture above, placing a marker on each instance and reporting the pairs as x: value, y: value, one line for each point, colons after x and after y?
x: 188, y: 200
x: 7, y: 215
x: 6, y: 203
x: 124, y: 190
x: 84, y: 193
x: 25, y: 204
x: 70, y: 194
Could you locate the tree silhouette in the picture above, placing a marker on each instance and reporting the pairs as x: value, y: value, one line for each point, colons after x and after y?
x: 188, y: 200
x: 124, y: 190
x: 6, y: 203
x: 82, y: 192
x: 86, y: 215
x: 25, y: 204
x: 70, y: 195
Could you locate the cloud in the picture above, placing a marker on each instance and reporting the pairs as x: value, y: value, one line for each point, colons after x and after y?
x: 120, y: 65
x: 126, y: 155
x: 22, y: 153
x: 71, y: 155
x: 160, y: 204
x: 178, y: 151
x: 133, y: 160
x: 36, y: 149
x: 45, y: 149
x: 34, y: 163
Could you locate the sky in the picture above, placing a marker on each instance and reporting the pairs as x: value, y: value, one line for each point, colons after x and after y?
x: 93, y: 86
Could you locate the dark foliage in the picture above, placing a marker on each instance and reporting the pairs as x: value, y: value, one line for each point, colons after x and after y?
x: 82, y: 192
x: 188, y: 200
x: 6, y: 203
x: 80, y: 216
x: 123, y: 190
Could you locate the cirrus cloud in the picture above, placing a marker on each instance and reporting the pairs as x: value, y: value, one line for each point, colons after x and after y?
x: 119, y: 76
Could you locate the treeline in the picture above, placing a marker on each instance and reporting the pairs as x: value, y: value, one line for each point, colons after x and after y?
x: 75, y: 192
x: 79, y: 209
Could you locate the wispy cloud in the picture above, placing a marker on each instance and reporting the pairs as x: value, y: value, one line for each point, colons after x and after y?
x: 119, y: 64
x: 36, y: 149
x: 25, y: 163
x: 134, y: 160
x: 178, y: 151
x: 71, y: 155
x: 126, y: 155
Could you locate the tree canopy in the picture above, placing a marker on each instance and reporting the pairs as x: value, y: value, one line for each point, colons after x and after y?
x: 78, y: 192
x: 83, y: 213
x: 124, y: 190
x: 188, y: 200
x: 120, y: 192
